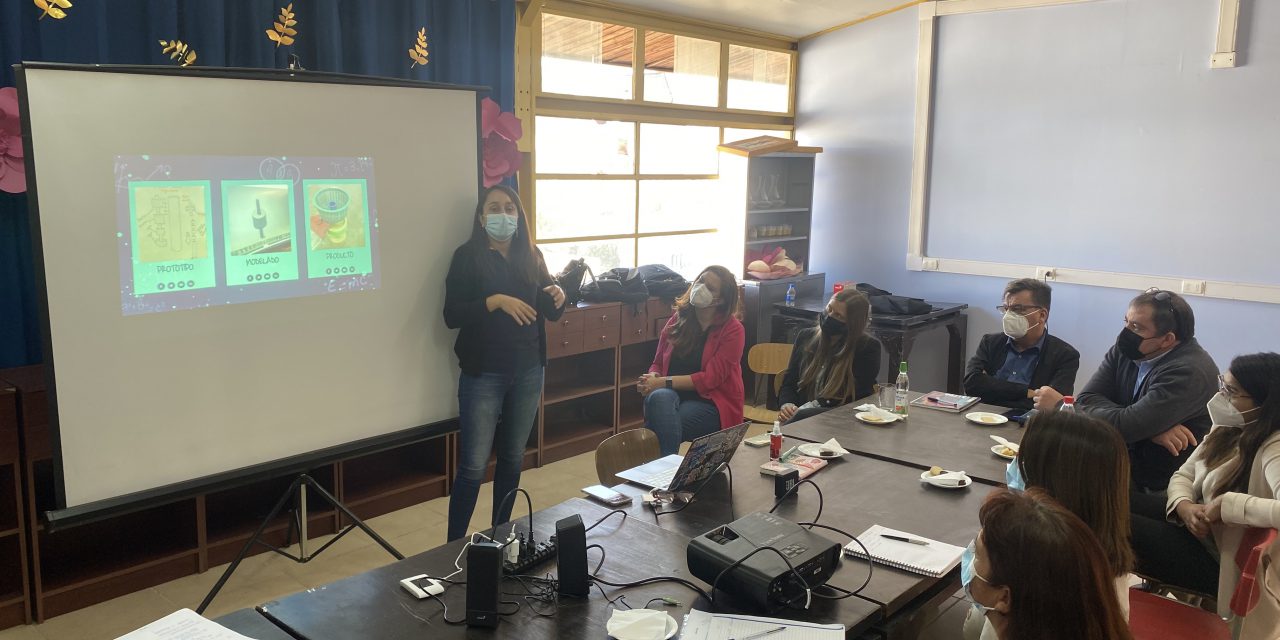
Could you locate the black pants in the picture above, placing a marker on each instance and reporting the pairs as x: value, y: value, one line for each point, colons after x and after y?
x: 1166, y: 552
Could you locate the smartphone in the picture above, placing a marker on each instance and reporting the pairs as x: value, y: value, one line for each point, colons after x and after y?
x: 606, y: 495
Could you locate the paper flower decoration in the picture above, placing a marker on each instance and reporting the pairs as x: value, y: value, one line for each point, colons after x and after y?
x: 419, y: 51
x: 13, y: 173
x: 179, y: 52
x: 499, y: 131
x: 53, y: 8
x: 282, y: 31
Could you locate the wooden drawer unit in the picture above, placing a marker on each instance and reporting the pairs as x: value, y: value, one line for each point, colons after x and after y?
x: 564, y: 344
x: 601, y: 338
x: 635, y: 325
x: 597, y: 317
x: 570, y: 322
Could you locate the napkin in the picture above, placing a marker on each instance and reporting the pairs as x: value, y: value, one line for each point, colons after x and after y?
x: 833, y: 446
x: 638, y: 624
x: 878, y: 412
x: 948, y: 479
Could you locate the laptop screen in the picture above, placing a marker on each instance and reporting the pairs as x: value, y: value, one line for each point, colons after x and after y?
x: 705, y: 456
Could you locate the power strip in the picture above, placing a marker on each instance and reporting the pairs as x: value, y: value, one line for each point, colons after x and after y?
x: 541, y: 552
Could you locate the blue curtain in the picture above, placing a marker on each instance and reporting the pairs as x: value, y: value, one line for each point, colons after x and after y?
x: 469, y: 42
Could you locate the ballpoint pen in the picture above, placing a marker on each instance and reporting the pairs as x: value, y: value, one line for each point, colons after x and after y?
x: 761, y: 634
x: 902, y: 539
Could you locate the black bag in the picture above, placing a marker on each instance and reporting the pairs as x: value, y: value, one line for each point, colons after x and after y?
x: 616, y: 285
x: 885, y: 303
x: 570, y: 280
x: 662, y: 281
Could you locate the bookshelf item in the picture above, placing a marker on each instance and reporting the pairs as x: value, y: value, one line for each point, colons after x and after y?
x: 758, y: 145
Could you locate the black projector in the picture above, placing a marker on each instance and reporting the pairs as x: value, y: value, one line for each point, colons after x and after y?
x: 764, y: 579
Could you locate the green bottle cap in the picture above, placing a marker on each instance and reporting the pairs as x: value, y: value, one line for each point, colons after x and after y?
x: 902, y: 368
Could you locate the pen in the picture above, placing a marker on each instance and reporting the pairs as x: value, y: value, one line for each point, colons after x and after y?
x: 902, y: 539
x: 760, y: 634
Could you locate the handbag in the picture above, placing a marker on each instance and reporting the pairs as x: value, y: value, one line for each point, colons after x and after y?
x: 616, y: 285
x: 885, y: 303
x: 662, y: 281
x: 570, y: 280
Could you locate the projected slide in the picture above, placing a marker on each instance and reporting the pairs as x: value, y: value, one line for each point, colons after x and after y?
x: 198, y: 231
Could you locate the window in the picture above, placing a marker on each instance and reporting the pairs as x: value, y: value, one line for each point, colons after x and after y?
x: 627, y: 116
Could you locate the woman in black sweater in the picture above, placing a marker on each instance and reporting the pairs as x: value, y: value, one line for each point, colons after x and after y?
x: 498, y: 292
x: 833, y: 363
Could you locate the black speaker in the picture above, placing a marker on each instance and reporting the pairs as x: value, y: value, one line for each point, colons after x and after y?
x: 484, y: 577
x: 571, y: 552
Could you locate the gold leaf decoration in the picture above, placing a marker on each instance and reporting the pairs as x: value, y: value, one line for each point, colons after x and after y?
x: 282, y: 31
x: 419, y: 51
x: 179, y: 51
x: 53, y: 8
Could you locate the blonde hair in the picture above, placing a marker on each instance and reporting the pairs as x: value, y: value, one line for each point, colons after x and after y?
x: 836, y: 355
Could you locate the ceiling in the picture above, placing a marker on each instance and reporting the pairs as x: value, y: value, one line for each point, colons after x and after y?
x: 793, y: 18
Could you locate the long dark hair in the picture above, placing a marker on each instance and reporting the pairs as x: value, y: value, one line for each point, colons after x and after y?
x: 1083, y: 463
x: 1259, y: 376
x: 687, y: 332
x: 1057, y: 573
x: 523, y: 255
x: 835, y: 353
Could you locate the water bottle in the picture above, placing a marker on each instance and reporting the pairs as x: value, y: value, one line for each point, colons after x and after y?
x: 791, y: 295
x: 775, y: 441
x: 900, y: 390
x: 1068, y: 403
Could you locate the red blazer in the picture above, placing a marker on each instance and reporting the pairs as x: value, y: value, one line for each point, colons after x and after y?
x: 720, y: 380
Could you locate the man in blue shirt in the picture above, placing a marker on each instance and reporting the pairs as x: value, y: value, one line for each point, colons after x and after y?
x: 1009, y: 366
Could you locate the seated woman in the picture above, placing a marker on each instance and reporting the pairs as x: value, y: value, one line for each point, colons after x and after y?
x: 1229, y: 483
x: 832, y: 363
x: 694, y: 386
x: 1039, y: 572
x: 1053, y: 453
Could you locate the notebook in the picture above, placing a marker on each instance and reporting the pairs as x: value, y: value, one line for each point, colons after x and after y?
x: 700, y: 625
x: 934, y: 559
x: 806, y: 465
x: 943, y: 401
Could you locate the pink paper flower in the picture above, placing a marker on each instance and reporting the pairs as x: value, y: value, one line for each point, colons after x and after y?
x: 500, y: 132
x: 13, y: 173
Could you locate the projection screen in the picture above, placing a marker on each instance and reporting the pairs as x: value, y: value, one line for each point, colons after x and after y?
x: 240, y: 266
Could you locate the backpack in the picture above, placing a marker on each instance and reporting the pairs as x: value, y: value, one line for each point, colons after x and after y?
x: 570, y: 280
x: 616, y: 285
x: 885, y: 303
x: 662, y: 282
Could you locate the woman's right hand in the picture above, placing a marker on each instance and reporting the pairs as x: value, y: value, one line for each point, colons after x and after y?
x: 522, y: 313
x: 787, y: 411
x: 1194, y: 517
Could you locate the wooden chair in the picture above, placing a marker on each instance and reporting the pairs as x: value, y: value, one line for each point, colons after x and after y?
x: 768, y: 361
x: 622, y: 451
x: 1153, y: 617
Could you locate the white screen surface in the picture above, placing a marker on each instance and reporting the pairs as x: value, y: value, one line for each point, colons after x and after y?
x: 149, y: 400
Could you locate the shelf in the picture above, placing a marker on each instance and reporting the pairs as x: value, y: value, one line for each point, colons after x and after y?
x: 10, y: 532
x: 107, y: 567
x: 625, y: 425
x: 358, y: 492
x: 779, y: 210
x: 132, y: 543
x: 241, y: 531
x: 581, y: 440
x: 563, y: 394
x: 777, y: 239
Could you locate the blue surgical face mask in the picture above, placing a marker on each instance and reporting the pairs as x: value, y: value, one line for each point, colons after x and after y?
x: 500, y: 226
x: 967, y: 574
x: 1013, y: 476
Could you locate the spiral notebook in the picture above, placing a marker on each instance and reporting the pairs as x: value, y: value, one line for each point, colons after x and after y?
x: 934, y: 559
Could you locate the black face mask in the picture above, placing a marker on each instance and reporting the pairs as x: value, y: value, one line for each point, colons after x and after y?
x: 1128, y: 343
x: 831, y: 326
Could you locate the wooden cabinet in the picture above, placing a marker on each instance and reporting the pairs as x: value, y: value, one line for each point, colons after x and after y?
x: 14, y: 587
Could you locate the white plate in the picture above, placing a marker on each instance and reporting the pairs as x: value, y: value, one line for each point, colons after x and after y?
x: 871, y: 418
x: 985, y: 418
x: 672, y: 627
x: 928, y: 479
x: 814, y: 450
x: 996, y: 450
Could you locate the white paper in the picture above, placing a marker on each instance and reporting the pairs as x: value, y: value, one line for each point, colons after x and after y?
x: 183, y: 624
x: 700, y: 625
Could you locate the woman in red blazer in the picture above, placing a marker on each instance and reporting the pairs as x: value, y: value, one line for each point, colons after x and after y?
x: 694, y: 385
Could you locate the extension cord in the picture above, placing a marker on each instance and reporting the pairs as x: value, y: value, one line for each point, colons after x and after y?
x: 542, y: 552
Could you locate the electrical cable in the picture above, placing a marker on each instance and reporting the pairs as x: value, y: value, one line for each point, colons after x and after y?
x: 723, y: 466
x: 622, y: 598
x: 795, y: 488
x: 639, y: 583
x: 870, y: 563
x: 606, y: 517
x: 808, y: 592
x: 602, y: 555
x: 528, y: 502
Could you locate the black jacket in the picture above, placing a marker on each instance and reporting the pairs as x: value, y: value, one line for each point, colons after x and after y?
x: 1174, y: 392
x: 866, y: 366
x: 1056, y: 368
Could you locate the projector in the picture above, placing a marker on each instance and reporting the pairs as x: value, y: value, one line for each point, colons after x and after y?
x: 764, y: 579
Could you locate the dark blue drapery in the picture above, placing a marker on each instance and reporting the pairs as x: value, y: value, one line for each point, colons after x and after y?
x: 469, y: 42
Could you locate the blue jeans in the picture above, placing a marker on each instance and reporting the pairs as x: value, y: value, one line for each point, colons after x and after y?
x: 497, y: 411
x: 676, y: 420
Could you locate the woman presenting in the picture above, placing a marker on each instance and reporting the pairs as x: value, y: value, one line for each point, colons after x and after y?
x: 498, y: 292
x: 694, y: 386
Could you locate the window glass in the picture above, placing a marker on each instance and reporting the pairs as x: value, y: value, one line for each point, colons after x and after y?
x: 586, y: 58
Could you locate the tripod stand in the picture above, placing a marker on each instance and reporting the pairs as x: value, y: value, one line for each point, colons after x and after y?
x: 298, y: 490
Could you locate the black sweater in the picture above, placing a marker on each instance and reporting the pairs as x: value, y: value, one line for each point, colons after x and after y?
x: 866, y: 366
x: 1056, y: 368
x: 492, y: 341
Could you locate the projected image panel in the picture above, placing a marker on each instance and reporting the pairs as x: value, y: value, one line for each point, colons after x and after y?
x: 199, y: 231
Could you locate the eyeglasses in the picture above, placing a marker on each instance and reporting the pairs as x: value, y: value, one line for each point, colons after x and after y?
x: 1020, y: 309
x: 1166, y: 298
x: 1230, y: 391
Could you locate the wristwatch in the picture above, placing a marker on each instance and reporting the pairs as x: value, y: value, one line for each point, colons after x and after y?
x: 669, y: 383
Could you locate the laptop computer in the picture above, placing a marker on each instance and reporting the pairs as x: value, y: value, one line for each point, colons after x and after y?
x: 675, y: 473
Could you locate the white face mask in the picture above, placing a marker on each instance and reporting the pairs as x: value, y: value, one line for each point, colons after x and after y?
x: 700, y: 296
x: 1223, y: 413
x: 1015, y: 326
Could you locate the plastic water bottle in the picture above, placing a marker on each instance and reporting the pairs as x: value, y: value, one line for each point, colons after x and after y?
x: 791, y: 295
x: 900, y: 390
x: 1068, y: 403
x: 775, y: 441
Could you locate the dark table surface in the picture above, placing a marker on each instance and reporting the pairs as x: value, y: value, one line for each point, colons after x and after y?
x: 928, y: 438
x: 250, y: 623
x: 858, y: 492
x: 373, y: 606
x: 809, y: 307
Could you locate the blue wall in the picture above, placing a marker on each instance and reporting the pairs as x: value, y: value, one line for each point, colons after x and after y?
x: 857, y: 99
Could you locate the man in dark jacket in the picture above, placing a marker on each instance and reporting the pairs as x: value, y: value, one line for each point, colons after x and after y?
x: 1152, y: 386
x: 1010, y: 366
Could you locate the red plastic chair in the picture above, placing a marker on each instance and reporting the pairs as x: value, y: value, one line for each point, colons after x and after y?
x: 1153, y: 617
x: 1253, y: 544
